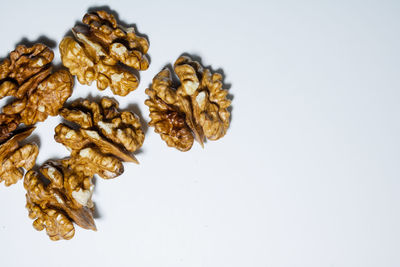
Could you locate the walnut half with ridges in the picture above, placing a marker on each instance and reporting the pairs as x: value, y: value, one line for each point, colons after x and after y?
x: 195, y: 109
x: 104, y: 51
x: 100, y: 136
x: 58, y: 196
x: 38, y: 92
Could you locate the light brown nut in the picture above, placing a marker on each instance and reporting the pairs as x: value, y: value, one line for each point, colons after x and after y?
x: 64, y: 199
x: 27, y: 76
x: 13, y: 157
x: 197, y: 108
x: 99, y: 47
x: 91, y: 161
x: 102, y: 136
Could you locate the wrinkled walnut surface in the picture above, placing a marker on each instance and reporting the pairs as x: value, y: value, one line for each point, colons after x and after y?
x: 27, y: 76
x: 64, y: 199
x: 196, y: 109
x: 99, y: 50
x: 13, y: 157
x: 101, y: 137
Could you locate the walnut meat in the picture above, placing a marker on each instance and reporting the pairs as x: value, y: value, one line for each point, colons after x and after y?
x: 13, y: 157
x: 99, y: 48
x: 58, y: 196
x: 102, y: 136
x: 27, y: 76
x: 195, y: 109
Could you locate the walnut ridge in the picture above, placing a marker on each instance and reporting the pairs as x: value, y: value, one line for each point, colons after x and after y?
x: 27, y: 76
x: 13, y: 157
x: 194, y: 110
x: 102, y: 50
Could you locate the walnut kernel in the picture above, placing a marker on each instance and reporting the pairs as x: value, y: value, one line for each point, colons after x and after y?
x: 102, y: 135
x: 100, y: 49
x: 63, y: 199
x: 195, y: 109
x: 27, y: 76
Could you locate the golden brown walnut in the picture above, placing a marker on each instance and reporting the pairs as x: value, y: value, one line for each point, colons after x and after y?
x: 99, y: 49
x: 27, y: 76
x: 102, y: 136
x: 13, y: 157
x: 58, y: 196
x: 195, y: 109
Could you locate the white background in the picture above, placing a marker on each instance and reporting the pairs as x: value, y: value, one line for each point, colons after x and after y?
x: 307, y: 175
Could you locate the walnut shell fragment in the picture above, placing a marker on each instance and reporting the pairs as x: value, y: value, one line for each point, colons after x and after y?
x: 197, y: 108
x: 101, y: 137
x: 104, y: 51
x: 13, y: 157
x: 27, y: 76
x: 58, y: 196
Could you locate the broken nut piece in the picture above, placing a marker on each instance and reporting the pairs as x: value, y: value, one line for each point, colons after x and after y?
x: 13, y: 157
x: 27, y: 76
x: 63, y: 199
x: 197, y: 108
x: 100, y: 49
x: 101, y: 136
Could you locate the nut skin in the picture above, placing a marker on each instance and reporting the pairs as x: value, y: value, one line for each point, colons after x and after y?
x: 98, y: 49
x: 27, y: 76
x: 13, y: 157
x: 196, y: 109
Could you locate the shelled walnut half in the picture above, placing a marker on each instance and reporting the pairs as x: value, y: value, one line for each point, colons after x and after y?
x: 13, y: 157
x: 27, y: 76
x: 58, y: 196
x: 103, y: 51
x: 101, y: 137
x: 197, y: 108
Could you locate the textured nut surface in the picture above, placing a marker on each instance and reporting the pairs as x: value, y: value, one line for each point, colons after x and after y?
x: 8, y: 123
x: 195, y: 109
x: 101, y: 136
x: 63, y: 199
x: 27, y: 76
x: 13, y: 157
x: 99, y: 48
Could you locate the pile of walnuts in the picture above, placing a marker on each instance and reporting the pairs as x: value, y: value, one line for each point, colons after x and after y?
x: 99, y: 136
